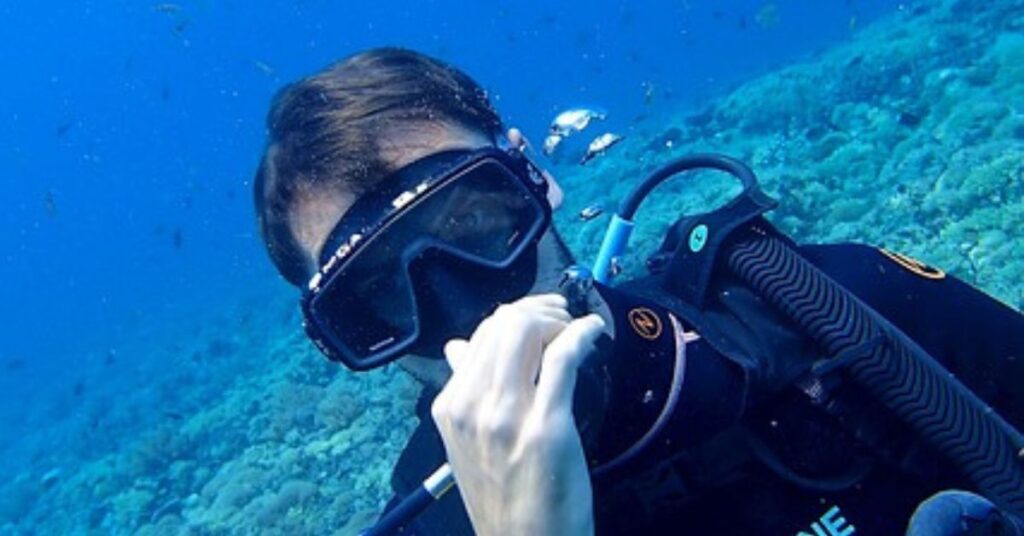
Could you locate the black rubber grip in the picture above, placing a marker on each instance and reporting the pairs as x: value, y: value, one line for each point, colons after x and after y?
x: 401, y: 515
x: 897, y: 371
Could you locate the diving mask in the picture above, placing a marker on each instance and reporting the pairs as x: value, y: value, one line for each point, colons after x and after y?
x: 426, y: 255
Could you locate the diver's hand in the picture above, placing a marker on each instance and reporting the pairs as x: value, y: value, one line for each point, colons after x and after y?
x: 506, y: 420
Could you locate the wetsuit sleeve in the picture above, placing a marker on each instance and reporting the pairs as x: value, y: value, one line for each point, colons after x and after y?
x: 977, y: 338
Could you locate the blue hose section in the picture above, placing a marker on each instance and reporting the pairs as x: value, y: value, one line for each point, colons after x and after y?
x: 901, y: 375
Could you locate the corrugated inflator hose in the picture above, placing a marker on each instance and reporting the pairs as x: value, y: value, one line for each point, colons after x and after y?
x: 894, y: 369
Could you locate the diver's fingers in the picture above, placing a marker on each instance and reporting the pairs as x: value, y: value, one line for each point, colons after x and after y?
x: 550, y: 299
x: 455, y: 352
x: 552, y: 305
x: 535, y: 327
x: 556, y: 313
x: 562, y: 358
x: 525, y: 331
x: 473, y: 372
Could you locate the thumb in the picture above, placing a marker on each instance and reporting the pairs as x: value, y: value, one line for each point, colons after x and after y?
x: 455, y: 352
x: 562, y: 358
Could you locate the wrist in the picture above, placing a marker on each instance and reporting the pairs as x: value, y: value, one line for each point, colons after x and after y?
x: 569, y: 515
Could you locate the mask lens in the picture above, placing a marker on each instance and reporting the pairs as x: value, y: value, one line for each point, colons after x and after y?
x: 487, y: 213
x: 367, y: 307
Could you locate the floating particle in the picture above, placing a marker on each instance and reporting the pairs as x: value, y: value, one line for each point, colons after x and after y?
x: 49, y: 204
x: 264, y: 68
x: 767, y: 16
x: 181, y: 25
x: 177, y: 238
x: 167, y: 7
x: 64, y: 127
x: 648, y: 92
x: 666, y: 140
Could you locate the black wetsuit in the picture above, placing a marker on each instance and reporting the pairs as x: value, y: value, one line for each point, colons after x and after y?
x: 785, y: 466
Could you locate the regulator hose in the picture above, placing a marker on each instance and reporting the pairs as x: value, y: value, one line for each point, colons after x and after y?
x: 894, y: 369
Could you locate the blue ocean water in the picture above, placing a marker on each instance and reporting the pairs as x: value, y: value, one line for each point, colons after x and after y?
x: 141, y: 120
x: 131, y: 131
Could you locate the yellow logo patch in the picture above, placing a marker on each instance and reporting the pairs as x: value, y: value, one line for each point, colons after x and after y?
x: 645, y: 323
x: 913, y: 265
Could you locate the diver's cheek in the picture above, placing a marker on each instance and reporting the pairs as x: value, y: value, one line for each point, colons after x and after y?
x: 555, y: 193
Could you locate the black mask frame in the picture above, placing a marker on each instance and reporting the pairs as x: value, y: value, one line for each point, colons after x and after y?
x: 340, y: 319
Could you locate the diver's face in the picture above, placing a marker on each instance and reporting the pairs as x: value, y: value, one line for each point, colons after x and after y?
x: 316, y: 213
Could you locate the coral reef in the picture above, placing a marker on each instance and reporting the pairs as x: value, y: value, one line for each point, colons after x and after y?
x: 908, y: 136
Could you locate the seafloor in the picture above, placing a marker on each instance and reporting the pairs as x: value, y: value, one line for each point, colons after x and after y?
x: 910, y: 136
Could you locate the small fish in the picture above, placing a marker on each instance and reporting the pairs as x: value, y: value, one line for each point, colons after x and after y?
x: 50, y: 477
x: 177, y: 239
x: 549, y: 19
x: 50, y: 203
x: 648, y: 92
x: 574, y: 120
x: 15, y: 363
x: 79, y: 389
x: 264, y: 68
x: 767, y: 16
x: 181, y: 25
x: 615, y: 266
x: 174, y: 415
x: 64, y: 127
x: 167, y: 7
x: 908, y: 119
x: 170, y: 507
x: 600, y: 145
x: 590, y: 212
x: 551, y: 143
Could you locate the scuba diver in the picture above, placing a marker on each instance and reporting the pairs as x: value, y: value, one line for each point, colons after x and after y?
x: 746, y: 385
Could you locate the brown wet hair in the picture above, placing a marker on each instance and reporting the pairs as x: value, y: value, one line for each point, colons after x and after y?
x: 327, y: 133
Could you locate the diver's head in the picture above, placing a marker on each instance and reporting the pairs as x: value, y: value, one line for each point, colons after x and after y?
x: 336, y: 135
